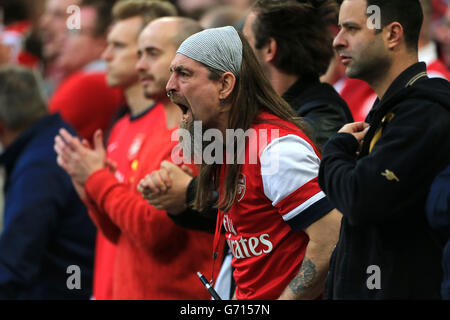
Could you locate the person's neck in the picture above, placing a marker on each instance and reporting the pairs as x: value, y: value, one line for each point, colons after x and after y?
x: 382, y: 84
x: 280, y: 80
x: 136, y: 100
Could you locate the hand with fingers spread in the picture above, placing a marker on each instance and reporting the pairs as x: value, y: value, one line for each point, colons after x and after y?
x: 165, y: 189
x: 77, y: 158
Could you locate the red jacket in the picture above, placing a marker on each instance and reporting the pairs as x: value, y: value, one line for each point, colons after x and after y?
x: 155, y: 259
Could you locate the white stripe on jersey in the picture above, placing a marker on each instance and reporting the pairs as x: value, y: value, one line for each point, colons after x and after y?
x: 296, y: 164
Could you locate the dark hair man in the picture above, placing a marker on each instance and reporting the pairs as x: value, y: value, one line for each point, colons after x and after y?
x: 294, y: 47
x: 378, y: 173
x: 281, y: 232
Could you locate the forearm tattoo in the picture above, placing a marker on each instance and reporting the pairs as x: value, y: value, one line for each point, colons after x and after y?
x: 305, y: 277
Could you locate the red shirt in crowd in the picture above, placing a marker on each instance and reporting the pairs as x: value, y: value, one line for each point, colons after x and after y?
x: 154, y: 259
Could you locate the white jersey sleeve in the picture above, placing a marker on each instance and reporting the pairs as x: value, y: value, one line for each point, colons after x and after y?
x: 289, y: 170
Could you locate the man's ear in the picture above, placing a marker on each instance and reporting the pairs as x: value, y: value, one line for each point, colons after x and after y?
x: 394, y: 35
x: 270, y: 50
x: 228, y: 82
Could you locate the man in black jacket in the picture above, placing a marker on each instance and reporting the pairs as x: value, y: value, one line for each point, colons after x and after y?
x: 378, y: 173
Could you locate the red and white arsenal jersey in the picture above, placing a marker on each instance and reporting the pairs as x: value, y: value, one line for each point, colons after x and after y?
x: 278, y: 197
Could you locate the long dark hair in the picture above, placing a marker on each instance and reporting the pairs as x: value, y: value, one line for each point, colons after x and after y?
x: 252, y: 94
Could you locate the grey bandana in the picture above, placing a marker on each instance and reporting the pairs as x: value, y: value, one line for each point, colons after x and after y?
x: 218, y: 48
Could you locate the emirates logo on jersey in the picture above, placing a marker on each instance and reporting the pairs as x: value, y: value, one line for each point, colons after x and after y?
x: 242, y: 184
x: 228, y: 225
x: 242, y: 248
x: 246, y: 247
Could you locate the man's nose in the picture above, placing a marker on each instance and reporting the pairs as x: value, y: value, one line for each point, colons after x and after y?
x: 141, y: 64
x: 106, y: 55
x: 171, y: 85
x: 339, y: 41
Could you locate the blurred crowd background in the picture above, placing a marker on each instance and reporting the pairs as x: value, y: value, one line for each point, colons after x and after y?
x: 27, y: 25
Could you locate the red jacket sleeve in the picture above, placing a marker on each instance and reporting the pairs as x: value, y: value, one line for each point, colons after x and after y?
x: 103, y: 222
x: 128, y: 210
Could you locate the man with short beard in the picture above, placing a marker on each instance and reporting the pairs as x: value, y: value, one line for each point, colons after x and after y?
x: 126, y: 136
x: 155, y: 259
x: 378, y: 173
x: 278, y: 224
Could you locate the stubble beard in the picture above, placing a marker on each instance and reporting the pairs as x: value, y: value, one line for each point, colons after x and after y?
x: 370, y: 68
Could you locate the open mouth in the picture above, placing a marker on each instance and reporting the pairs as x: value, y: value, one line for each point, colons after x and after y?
x: 186, y: 114
x: 183, y: 108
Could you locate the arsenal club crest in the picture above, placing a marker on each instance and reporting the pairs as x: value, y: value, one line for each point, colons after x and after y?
x: 241, y: 187
x: 135, y: 146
